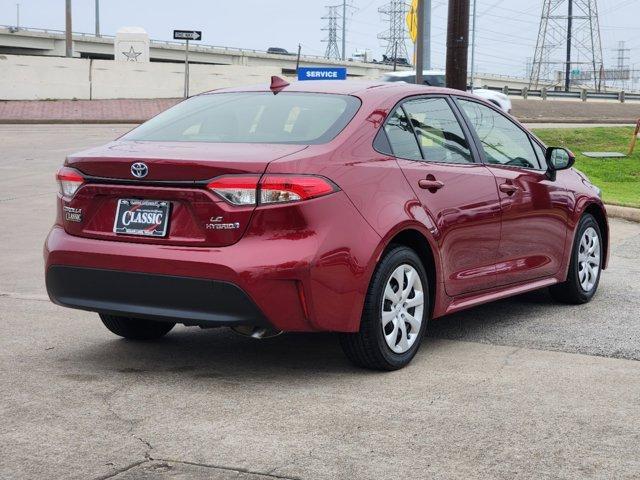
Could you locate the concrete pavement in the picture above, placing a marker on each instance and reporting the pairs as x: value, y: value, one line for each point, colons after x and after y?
x: 523, y: 388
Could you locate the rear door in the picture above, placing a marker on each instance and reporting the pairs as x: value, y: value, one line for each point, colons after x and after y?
x: 534, y: 207
x: 456, y: 191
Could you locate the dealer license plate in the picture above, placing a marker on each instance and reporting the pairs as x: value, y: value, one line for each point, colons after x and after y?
x: 149, y: 218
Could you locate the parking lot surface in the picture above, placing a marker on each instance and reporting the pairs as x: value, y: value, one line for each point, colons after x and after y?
x: 522, y: 388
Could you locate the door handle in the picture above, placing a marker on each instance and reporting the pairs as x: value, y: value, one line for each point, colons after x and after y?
x: 430, y: 184
x: 508, y: 188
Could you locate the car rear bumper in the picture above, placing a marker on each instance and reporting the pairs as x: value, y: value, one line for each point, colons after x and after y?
x: 311, y: 276
x: 158, y: 297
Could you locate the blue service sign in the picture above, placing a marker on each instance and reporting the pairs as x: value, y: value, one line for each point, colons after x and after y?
x: 322, y: 73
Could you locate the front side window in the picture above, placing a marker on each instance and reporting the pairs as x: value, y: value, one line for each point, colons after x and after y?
x: 252, y: 117
x: 541, y: 152
x: 439, y: 134
x: 503, y: 142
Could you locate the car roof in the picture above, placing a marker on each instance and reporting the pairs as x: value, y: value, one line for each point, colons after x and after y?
x: 410, y: 73
x: 358, y: 88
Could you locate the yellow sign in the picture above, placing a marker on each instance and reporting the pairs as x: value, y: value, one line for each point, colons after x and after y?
x: 412, y: 20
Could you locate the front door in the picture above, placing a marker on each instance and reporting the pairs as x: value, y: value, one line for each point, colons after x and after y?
x: 534, y: 207
x: 456, y: 192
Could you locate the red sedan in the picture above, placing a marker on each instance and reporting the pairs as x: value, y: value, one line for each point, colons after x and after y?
x: 360, y: 208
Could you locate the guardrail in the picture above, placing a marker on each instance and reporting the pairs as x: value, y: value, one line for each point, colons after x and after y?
x: 582, y: 94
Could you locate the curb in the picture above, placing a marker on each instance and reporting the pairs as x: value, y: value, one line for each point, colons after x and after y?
x: 625, y: 213
x: 607, y: 121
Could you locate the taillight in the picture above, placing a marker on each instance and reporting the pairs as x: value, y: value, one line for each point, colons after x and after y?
x: 69, y: 180
x: 250, y: 190
x: 293, y: 188
x: 236, y: 189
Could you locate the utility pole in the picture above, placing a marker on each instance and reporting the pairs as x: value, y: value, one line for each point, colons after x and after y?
x: 473, y: 44
x: 420, y: 44
x: 344, y: 30
x: 457, y: 44
x: 97, y: 18
x: 18, y: 16
x: 567, y: 73
x: 68, y: 36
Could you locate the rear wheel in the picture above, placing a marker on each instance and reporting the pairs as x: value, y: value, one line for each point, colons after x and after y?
x: 394, y: 316
x: 136, y: 328
x: 585, y: 267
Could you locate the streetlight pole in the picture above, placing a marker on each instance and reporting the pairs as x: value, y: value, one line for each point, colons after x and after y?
x: 68, y: 36
x: 473, y: 44
x: 97, y: 18
x: 18, y: 16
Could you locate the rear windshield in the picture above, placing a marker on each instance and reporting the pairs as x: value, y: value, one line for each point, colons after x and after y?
x: 252, y: 117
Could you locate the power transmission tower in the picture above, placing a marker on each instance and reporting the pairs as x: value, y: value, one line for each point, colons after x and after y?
x: 622, y: 73
x: 568, y: 47
x: 395, y: 14
x: 332, y: 27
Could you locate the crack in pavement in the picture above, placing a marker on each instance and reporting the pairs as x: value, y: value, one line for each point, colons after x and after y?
x: 121, y: 470
x: 25, y: 296
x: 230, y: 469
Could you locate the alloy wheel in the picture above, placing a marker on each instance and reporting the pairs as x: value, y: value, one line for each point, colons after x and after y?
x: 402, y: 308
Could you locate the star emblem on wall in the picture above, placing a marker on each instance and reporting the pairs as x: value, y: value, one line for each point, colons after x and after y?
x: 132, y: 55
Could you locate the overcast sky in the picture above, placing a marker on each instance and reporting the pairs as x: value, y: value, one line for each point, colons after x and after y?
x: 507, y: 29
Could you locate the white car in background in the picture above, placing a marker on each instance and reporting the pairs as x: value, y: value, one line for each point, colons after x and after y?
x: 436, y: 78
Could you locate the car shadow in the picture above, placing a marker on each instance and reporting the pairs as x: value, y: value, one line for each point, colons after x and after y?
x: 219, y: 354
x: 495, y: 316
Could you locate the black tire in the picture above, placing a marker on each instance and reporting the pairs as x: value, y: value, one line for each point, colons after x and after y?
x: 571, y: 290
x: 136, y: 328
x: 368, y: 348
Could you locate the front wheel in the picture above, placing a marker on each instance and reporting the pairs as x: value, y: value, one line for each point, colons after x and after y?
x: 136, y: 328
x: 394, y: 316
x: 585, y: 267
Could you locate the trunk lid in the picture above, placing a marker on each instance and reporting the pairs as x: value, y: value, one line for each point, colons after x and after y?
x: 178, y: 161
x: 178, y: 174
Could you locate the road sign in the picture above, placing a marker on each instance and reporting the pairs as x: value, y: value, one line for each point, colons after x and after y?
x: 187, y: 35
x: 322, y: 73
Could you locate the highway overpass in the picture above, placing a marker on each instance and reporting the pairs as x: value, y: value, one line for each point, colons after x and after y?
x: 52, y: 43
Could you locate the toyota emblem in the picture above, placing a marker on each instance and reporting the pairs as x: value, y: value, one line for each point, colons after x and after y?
x: 139, y: 170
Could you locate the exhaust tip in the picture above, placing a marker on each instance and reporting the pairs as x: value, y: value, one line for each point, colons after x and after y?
x: 259, y: 333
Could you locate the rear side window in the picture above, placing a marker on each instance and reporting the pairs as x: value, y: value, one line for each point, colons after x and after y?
x: 403, y: 141
x: 439, y: 134
x: 252, y: 117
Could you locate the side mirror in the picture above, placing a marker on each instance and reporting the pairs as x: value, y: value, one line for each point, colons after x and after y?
x: 559, y: 158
